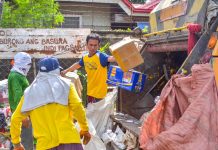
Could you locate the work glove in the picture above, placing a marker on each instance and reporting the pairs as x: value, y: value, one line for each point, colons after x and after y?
x: 86, y: 136
x: 26, y: 122
x: 18, y: 146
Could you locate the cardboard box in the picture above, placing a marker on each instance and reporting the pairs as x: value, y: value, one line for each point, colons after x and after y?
x: 76, y: 82
x: 126, y: 54
x: 132, y: 80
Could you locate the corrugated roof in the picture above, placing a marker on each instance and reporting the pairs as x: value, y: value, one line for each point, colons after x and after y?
x: 142, y: 8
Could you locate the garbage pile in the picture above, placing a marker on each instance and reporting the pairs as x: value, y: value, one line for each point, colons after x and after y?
x: 185, y: 117
x: 5, y: 115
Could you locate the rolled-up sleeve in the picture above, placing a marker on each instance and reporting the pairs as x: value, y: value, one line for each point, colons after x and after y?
x: 81, y: 62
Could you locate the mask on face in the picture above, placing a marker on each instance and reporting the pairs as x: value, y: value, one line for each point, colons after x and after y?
x: 22, y: 69
x: 26, y: 69
x: 22, y: 63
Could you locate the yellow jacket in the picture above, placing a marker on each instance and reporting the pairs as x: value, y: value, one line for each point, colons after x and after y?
x: 52, y: 123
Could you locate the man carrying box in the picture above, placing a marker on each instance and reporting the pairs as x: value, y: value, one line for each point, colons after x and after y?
x: 95, y: 64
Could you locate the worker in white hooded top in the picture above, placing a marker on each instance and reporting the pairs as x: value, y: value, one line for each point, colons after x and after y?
x: 17, y: 83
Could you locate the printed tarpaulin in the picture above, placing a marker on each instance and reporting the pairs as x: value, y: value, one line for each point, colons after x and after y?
x: 186, y: 116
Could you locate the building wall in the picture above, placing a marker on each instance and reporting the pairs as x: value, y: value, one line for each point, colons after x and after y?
x: 94, y: 16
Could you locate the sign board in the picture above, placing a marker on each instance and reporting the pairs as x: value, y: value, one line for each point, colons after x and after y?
x: 62, y: 43
x: 173, y: 11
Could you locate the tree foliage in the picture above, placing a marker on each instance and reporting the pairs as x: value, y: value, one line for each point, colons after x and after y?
x: 31, y: 14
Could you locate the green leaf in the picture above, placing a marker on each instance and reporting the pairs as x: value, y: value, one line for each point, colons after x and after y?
x: 31, y: 14
x: 104, y: 48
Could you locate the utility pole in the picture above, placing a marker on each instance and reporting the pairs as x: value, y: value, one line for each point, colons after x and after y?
x: 92, y: 15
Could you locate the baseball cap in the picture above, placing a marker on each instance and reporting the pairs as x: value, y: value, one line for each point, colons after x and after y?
x: 48, y: 64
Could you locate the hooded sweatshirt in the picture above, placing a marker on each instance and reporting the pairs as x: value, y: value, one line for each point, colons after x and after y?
x: 17, y: 81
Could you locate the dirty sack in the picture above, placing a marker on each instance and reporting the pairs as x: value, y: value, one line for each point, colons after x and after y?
x: 95, y: 142
x: 98, y: 120
x: 186, y: 115
x: 98, y: 113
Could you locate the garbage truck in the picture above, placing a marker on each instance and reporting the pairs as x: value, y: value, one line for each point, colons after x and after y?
x: 180, y: 31
x: 178, y: 38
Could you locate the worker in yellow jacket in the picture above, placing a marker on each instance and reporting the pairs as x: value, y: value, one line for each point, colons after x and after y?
x: 49, y: 101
